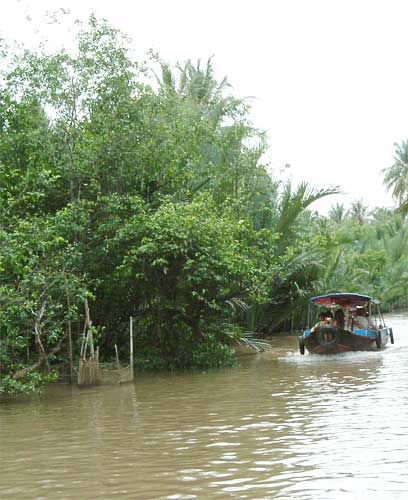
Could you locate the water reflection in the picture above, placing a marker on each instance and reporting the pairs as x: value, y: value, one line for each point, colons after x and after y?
x: 282, y: 426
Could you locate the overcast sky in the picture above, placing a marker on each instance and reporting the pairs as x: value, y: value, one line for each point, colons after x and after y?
x: 328, y: 78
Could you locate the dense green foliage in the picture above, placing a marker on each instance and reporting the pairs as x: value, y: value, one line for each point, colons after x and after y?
x: 147, y: 195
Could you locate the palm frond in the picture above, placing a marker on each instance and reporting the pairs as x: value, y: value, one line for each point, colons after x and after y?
x: 237, y: 305
x: 293, y: 203
x: 167, y: 78
x: 248, y: 339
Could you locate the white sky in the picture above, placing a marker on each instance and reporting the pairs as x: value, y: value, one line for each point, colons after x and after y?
x: 329, y: 77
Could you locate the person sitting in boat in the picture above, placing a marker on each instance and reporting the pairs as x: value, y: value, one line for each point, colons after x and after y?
x: 360, y: 320
x: 365, y: 318
x: 353, y: 320
x: 325, y: 318
x: 339, y: 319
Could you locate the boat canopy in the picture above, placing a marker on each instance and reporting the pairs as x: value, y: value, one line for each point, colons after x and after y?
x: 342, y: 300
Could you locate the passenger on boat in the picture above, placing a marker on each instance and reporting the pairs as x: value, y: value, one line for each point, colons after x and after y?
x: 365, y: 319
x: 360, y: 320
x: 325, y: 318
x: 339, y: 319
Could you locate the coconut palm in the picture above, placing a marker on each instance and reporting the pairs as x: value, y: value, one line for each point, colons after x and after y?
x: 396, y: 275
x: 229, y: 164
x: 359, y: 211
x: 199, y: 84
x: 299, y: 265
x: 396, y: 176
x: 292, y: 203
x: 338, y: 213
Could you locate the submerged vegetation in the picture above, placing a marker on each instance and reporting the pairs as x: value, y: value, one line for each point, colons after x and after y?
x: 144, y: 191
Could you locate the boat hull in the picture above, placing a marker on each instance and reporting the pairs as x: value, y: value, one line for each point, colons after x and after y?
x: 334, y: 341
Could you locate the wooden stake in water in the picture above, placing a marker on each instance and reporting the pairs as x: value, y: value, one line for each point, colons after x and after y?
x: 117, y: 356
x: 131, y: 347
x: 70, y: 356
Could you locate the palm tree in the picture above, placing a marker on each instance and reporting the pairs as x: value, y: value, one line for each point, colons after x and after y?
x: 396, y: 275
x: 338, y: 213
x: 294, y: 202
x: 199, y: 84
x: 229, y: 164
x: 396, y: 176
x: 299, y: 265
x: 359, y: 211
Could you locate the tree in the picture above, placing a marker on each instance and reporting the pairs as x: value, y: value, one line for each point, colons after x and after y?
x: 292, y: 203
x: 146, y: 200
x: 396, y: 176
x: 338, y: 213
x: 359, y: 211
x: 131, y: 196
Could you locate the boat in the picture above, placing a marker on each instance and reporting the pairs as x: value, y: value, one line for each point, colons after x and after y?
x: 348, y: 322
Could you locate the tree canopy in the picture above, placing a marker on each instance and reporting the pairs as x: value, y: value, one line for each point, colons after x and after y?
x: 141, y: 187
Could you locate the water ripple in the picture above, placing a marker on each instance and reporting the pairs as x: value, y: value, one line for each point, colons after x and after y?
x: 282, y: 426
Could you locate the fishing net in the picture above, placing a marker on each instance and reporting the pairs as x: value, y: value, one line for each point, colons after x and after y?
x: 89, y: 373
x: 111, y: 374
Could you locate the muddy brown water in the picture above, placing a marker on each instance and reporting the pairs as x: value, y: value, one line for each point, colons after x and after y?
x: 281, y: 426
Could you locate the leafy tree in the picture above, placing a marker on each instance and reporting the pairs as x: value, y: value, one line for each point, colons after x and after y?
x: 150, y: 198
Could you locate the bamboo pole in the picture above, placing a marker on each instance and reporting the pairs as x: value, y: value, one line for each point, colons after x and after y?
x: 89, y: 323
x: 117, y: 356
x: 131, y: 347
x: 71, y: 363
x: 37, y: 330
x: 84, y: 340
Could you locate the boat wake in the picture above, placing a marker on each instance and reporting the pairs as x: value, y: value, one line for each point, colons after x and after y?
x: 343, y: 358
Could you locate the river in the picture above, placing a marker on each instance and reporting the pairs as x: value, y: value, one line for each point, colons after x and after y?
x: 282, y: 426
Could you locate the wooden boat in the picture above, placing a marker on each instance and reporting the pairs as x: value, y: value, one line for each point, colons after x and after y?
x: 356, y: 325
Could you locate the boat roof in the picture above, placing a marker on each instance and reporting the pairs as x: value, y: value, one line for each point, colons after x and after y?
x: 342, y: 299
